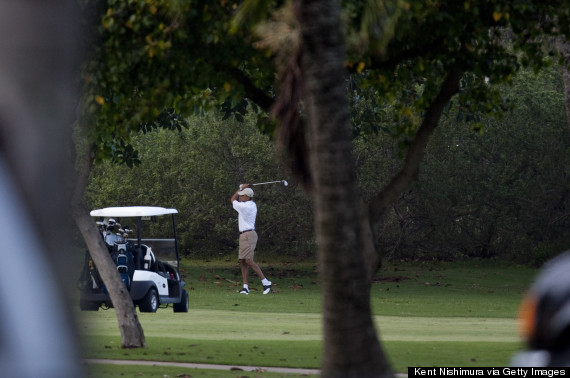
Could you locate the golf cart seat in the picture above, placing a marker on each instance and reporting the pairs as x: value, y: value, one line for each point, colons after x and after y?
x: 147, y: 258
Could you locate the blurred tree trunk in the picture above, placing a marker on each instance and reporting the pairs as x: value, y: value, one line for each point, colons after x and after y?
x: 38, y: 66
x: 351, y: 346
x: 132, y: 335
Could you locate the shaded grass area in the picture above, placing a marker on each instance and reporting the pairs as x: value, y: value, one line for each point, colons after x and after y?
x: 226, y: 352
x: 215, y: 284
x: 454, y: 354
x: 489, y: 290
x: 113, y: 371
x: 306, y: 354
x: 470, y: 288
x: 439, y: 314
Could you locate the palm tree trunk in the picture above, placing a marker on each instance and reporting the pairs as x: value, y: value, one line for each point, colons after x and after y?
x: 351, y: 346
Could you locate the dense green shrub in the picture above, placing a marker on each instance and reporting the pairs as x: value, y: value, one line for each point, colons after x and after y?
x: 196, y: 171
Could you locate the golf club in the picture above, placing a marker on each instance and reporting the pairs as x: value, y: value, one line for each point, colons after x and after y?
x: 285, y: 183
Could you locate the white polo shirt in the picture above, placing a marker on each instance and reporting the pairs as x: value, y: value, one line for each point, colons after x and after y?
x: 247, y: 211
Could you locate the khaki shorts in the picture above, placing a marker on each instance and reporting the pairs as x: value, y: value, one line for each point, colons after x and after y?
x: 247, y: 243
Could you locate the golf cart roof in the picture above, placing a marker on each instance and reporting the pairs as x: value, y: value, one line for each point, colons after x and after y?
x: 132, y: 211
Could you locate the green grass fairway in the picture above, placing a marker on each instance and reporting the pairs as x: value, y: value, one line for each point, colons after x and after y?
x: 293, y: 340
x: 427, y: 315
x: 286, y: 327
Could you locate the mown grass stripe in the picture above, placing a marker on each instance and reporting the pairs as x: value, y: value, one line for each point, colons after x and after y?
x: 229, y: 325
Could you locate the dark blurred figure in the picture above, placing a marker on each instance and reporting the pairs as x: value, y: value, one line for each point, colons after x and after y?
x: 545, y: 317
x: 38, y: 98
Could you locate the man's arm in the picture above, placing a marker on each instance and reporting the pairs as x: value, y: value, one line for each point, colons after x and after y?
x: 236, y: 195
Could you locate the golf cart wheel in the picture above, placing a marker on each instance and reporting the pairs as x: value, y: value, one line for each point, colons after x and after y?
x: 85, y: 305
x: 184, y: 303
x: 150, y: 302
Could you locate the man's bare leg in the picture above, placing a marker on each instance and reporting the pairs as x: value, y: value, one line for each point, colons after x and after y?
x: 244, y: 271
x: 253, y: 266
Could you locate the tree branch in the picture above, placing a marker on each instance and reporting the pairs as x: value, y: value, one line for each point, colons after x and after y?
x: 404, y: 55
x: 410, y: 170
x: 252, y: 92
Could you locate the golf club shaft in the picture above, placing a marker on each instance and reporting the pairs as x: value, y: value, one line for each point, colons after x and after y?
x: 269, y: 182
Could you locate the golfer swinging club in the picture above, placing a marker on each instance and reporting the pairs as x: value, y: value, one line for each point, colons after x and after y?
x: 247, y: 211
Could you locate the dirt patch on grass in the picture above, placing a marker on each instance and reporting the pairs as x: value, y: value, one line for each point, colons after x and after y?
x: 389, y: 279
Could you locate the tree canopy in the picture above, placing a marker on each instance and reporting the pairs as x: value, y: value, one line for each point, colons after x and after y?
x: 151, y: 60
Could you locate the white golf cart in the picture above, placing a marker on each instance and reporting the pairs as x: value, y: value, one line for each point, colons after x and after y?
x: 149, y: 267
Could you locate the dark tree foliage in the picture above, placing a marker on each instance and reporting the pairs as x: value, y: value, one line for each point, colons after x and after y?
x: 495, y: 191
